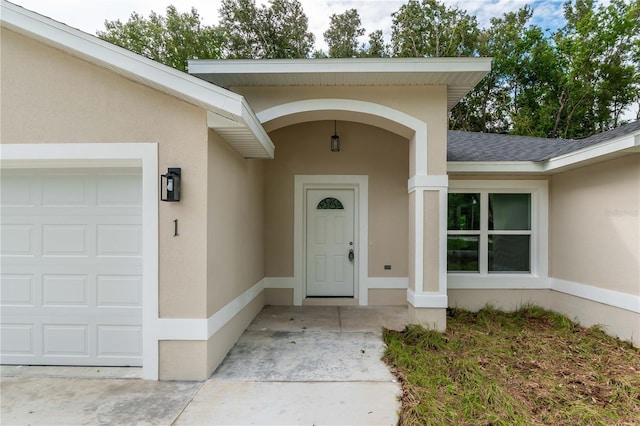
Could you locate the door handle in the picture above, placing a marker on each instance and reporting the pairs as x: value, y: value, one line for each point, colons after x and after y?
x: 351, y: 255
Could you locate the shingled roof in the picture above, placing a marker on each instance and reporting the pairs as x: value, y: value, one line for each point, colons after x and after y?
x: 476, y: 146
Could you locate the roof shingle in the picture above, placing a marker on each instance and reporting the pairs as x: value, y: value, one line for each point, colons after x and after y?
x: 476, y: 146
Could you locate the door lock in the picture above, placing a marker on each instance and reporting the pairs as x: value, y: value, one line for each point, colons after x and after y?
x: 351, y: 255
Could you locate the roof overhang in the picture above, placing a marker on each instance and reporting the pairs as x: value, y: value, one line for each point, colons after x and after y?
x: 228, y: 113
x: 608, y: 150
x: 460, y: 75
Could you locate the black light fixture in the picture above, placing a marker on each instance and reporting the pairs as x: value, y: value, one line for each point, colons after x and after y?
x: 335, y: 139
x: 170, y: 185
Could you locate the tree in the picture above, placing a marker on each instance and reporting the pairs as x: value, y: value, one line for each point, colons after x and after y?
x: 277, y: 31
x: 429, y: 28
x: 171, y: 40
x: 597, y: 52
x: 523, y: 64
x: 342, y: 35
x: 376, y: 48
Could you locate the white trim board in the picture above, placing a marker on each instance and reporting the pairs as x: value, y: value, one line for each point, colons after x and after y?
x: 361, y: 185
x: 205, y: 328
x: 431, y: 300
x: 613, y: 298
x: 143, y: 155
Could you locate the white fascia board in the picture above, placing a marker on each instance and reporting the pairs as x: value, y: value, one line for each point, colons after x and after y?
x: 629, y: 142
x: 495, y: 167
x: 220, y: 102
x: 252, y: 122
x: 341, y: 65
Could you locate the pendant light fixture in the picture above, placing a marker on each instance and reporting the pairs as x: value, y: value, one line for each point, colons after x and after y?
x: 335, y: 139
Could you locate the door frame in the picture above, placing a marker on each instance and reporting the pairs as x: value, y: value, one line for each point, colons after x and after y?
x: 360, y: 186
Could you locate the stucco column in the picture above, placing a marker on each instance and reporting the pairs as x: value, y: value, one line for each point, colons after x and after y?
x: 427, y: 293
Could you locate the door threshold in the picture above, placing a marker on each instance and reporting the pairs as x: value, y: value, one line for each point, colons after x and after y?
x: 330, y: 301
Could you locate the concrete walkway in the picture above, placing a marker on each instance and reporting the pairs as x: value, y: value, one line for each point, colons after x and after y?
x: 292, y: 366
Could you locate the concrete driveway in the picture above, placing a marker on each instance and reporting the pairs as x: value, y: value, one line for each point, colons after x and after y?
x: 292, y: 366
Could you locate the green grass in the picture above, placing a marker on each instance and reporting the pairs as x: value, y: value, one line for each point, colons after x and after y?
x: 528, y: 367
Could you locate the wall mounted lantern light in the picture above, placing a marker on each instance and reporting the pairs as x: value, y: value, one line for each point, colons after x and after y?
x: 335, y: 139
x: 170, y: 185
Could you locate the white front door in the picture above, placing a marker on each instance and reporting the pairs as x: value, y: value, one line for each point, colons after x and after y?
x: 330, y: 243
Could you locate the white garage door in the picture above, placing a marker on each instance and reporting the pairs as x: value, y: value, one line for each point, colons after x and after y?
x: 71, y: 258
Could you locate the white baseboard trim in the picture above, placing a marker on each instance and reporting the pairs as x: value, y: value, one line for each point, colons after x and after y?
x: 616, y: 299
x: 279, y: 282
x: 496, y: 282
x: 203, y: 329
x: 426, y: 300
x: 387, y: 282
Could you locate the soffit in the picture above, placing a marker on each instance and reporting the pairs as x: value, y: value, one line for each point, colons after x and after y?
x: 460, y: 75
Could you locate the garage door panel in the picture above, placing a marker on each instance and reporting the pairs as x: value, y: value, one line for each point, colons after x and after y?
x: 71, y: 282
x: 114, y: 290
x: 119, y: 240
x: 17, y: 191
x: 65, y: 290
x: 65, y: 190
x: 65, y: 340
x: 121, y: 190
x: 17, y: 240
x: 17, y: 339
x: 16, y: 290
x: 65, y: 240
x: 119, y: 341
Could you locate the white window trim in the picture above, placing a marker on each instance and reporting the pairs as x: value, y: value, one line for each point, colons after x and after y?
x: 538, y: 277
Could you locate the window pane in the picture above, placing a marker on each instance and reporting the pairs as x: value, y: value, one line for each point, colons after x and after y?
x: 462, y: 253
x: 509, y: 253
x: 510, y: 212
x: 330, y: 203
x: 464, y: 212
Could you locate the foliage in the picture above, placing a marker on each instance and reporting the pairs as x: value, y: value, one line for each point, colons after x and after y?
x: 430, y: 29
x: 580, y: 80
x: 342, y: 35
x: 172, y: 39
x: 277, y: 31
x: 531, y: 366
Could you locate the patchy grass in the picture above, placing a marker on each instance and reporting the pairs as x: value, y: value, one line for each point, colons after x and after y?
x: 529, y: 367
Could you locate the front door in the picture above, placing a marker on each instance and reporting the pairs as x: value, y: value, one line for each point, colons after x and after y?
x: 330, y: 243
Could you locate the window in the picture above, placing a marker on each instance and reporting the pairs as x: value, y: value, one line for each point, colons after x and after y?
x: 489, y: 232
x: 330, y: 203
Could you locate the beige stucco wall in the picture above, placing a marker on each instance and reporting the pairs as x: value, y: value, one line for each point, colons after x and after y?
x: 426, y: 103
x: 615, y: 321
x: 507, y: 299
x: 594, y: 220
x: 303, y: 149
x: 49, y: 96
x: 235, y: 236
x: 431, y: 235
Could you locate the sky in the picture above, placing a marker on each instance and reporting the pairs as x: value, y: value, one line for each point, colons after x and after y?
x: 89, y: 15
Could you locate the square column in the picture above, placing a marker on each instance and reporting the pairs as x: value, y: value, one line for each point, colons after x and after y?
x: 427, y: 293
